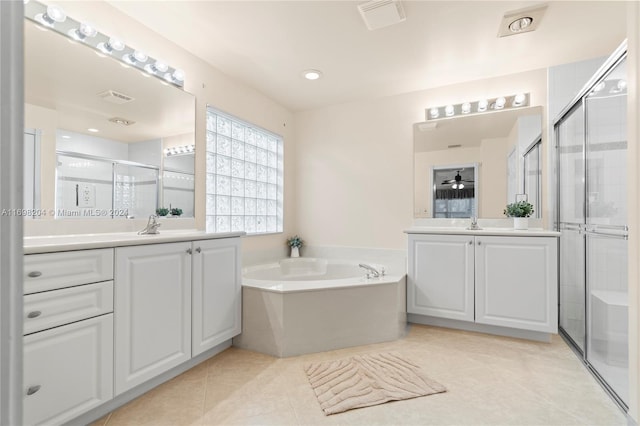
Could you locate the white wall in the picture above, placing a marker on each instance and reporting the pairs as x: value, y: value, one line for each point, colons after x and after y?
x: 354, y: 162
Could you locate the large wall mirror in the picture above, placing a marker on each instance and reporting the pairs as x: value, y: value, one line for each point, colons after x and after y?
x: 107, y: 141
x: 495, y: 156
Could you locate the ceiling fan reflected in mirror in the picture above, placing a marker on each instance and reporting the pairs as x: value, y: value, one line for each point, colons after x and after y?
x: 457, y: 182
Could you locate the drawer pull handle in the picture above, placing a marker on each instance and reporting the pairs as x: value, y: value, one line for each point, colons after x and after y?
x: 34, y: 274
x: 33, y: 389
x: 189, y: 251
x: 34, y: 314
x: 198, y: 249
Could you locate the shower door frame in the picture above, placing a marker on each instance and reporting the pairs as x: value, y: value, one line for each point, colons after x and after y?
x: 617, y: 57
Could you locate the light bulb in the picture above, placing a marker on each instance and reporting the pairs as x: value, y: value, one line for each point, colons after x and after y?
x: 622, y: 84
x: 157, y: 67
x: 519, y: 99
x: 500, y: 103
x: 434, y: 112
x: 454, y: 186
x: 461, y: 186
x: 482, y: 105
x: 51, y: 16
x: 81, y: 33
x: 112, y: 45
x: 135, y: 57
x: 466, y: 108
x: 448, y: 110
x: 520, y: 24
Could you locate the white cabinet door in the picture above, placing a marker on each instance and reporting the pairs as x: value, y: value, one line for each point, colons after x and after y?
x: 67, y: 370
x: 516, y: 282
x: 217, y: 292
x: 440, y: 279
x: 152, y: 311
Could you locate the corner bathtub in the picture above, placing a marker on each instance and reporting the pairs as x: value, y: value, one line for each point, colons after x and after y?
x: 306, y: 305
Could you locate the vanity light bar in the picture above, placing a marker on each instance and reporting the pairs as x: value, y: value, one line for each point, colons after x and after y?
x: 53, y: 18
x: 179, y: 150
x: 481, y: 106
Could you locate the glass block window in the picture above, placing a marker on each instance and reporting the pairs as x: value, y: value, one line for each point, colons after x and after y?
x: 244, y: 176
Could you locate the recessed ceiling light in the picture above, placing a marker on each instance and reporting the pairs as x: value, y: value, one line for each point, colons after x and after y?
x: 66, y: 137
x: 92, y: 130
x: 520, y: 24
x: 312, y: 74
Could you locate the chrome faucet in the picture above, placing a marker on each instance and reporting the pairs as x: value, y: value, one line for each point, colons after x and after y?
x: 371, y: 271
x: 152, y: 226
x: 474, y: 224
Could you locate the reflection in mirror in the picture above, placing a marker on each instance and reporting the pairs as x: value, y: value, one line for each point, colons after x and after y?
x: 496, y: 142
x: 454, y: 191
x: 105, y: 133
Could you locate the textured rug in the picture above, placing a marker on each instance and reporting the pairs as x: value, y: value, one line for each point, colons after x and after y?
x: 366, y: 380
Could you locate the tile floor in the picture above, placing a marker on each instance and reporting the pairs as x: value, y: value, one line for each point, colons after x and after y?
x: 490, y: 380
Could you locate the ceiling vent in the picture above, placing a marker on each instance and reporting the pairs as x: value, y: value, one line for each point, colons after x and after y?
x: 122, y: 121
x: 115, y: 97
x: 381, y: 13
x: 521, y: 21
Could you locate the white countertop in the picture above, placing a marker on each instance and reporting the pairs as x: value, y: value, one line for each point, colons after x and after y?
x: 54, y: 243
x: 533, y: 232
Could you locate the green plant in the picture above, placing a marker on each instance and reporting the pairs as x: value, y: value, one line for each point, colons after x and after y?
x: 519, y: 209
x: 176, y: 211
x: 294, y: 241
x: 162, y: 211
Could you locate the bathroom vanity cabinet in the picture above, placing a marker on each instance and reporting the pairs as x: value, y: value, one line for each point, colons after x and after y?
x: 68, y: 342
x: 102, y: 321
x: 173, y: 301
x: 507, y: 281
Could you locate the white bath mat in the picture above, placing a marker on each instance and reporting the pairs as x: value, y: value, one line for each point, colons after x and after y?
x: 366, y: 380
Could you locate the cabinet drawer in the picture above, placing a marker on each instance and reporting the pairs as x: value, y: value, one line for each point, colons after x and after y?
x: 50, y: 271
x: 59, y: 307
x: 68, y: 370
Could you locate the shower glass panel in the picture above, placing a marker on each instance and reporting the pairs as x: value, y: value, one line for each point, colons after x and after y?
x: 84, y: 187
x: 136, y: 190
x: 177, y: 191
x: 571, y: 190
x: 533, y: 178
x: 607, y: 334
x: 606, y: 230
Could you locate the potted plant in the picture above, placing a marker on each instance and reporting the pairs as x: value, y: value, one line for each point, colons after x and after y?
x: 162, y: 211
x: 176, y: 211
x: 295, y: 243
x: 520, y: 212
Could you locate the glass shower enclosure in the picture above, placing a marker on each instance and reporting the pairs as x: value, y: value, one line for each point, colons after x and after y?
x: 592, y: 219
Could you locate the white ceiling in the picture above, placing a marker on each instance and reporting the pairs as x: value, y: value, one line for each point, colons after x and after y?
x: 266, y: 44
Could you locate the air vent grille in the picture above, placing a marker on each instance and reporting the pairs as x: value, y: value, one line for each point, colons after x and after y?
x: 115, y: 97
x: 122, y: 121
x: 381, y: 13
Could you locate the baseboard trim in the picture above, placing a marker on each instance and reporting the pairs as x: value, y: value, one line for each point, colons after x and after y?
x: 538, y: 336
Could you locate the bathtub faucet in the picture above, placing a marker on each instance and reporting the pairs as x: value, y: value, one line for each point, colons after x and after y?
x: 371, y: 271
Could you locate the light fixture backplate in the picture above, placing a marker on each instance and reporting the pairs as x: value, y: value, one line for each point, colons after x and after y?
x: 535, y: 13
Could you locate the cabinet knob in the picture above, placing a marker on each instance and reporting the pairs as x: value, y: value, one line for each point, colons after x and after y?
x: 198, y: 249
x: 33, y: 389
x: 34, y: 314
x: 189, y: 251
x: 470, y: 242
x: 479, y: 242
x: 34, y: 274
